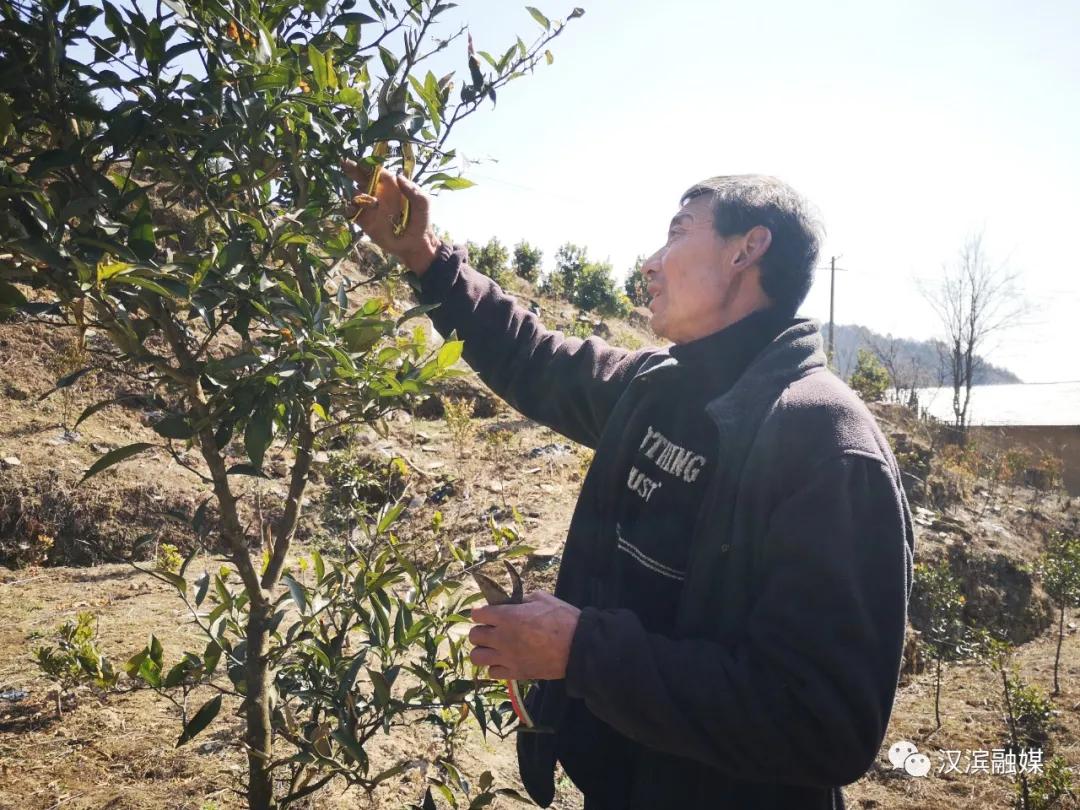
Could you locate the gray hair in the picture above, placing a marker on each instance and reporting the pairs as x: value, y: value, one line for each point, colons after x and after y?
x: 740, y: 202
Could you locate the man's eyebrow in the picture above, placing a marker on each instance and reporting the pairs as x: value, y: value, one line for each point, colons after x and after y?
x: 680, y: 219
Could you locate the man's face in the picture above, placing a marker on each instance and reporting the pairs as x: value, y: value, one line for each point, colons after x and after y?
x: 694, y: 280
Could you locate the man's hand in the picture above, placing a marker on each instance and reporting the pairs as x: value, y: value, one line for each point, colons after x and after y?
x: 415, y: 247
x: 530, y: 641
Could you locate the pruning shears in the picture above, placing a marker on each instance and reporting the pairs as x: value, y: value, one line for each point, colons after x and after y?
x: 363, y: 200
x: 495, y: 595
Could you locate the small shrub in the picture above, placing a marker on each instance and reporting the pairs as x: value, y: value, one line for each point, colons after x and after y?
x: 937, y: 606
x: 499, y: 450
x: 870, y: 380
x: 168, y: 558
x: 595, y: 290
x: 1032, y: 713
x: 579, y: 328
x: 627, y: 340
x: 69, y: 365
x: 457, y: 413
x: 1047, y: 789
x: 527, y: 261
x: 491, y: 259
x: 358, y: 484
x: 636, y: 285
x: 74, y: 658
x: 1060, y: 570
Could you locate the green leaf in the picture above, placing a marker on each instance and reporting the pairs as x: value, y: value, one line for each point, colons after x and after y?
x: 10, y: 296
x: 456, y: 183
x: 176, y: 674
x: 66, y: 381
x: 201, y: 720
x: 146, y: 284
x: 389, y: 517
x: 384, y: 127
x: 265, y: 50
x: 90, y: 410
x: 299, y: 594
x: 202, y: 585
x: 549, y: 57
x: 381, y: 687
x: 176, y: 580
x: 390, y: 62
x: 52, y: 159
x: 174, y: 426
x: 353, y: 18
x: 115, y: 457
x: 141, y: 238
x: 318, y: 67
x: 41, y: 251
x: 350, y: 744
x: 211, y: 657
x: 449, y: 353
x: 540, y: 18
x: 258, y: 435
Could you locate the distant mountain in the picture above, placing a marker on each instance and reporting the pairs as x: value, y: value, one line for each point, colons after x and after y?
x: 918, y: 361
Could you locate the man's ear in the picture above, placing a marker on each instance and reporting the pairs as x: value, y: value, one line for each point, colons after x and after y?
x: 754, y: 244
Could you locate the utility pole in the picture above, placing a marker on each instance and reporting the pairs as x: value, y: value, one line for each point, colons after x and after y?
x: 832, y: 301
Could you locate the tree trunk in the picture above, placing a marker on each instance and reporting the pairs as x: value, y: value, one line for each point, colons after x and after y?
x: 1057, y: 655
x: 257, y: 708
x: 1025, y: 796
x: 937, y: 694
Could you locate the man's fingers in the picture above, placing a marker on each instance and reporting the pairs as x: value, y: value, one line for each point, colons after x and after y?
x: 487, y: 614
x: 483, y: 656
x: 358, y: 172
x: 482, y: 635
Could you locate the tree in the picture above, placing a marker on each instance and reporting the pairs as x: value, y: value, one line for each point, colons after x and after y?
x: 527, y: 261
x: 1060, y: 568
x: 870, y: 380
x: 636, y: 286
x: 974, y: 301
x: 570, y: 260
x: 939, y: 604
x: 595, y: 290
x: 179, y: 189
x: 492, y: 260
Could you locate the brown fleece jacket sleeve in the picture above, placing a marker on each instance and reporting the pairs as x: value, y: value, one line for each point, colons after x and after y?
x: 804, y: 696
x: 570, y: 385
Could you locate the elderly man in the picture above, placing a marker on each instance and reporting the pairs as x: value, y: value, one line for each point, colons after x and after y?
x: 728, y: 621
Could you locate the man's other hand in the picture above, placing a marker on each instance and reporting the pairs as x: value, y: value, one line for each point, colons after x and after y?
x: 530, y: 641
x: 415, y: 247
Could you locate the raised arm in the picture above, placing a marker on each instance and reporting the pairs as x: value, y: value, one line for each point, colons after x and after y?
x: 570, y: 385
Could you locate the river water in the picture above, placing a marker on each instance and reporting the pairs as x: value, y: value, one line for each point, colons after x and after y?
x: 1020, y: 404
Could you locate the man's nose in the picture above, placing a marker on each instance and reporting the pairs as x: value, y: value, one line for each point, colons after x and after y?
x: 651, y: 265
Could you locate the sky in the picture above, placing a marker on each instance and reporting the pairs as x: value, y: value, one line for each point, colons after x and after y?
x: 909, y: 125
